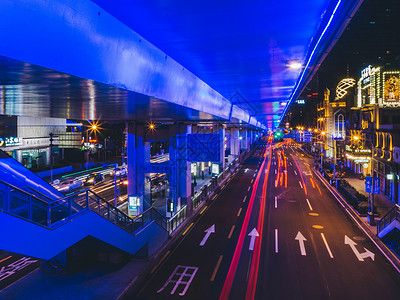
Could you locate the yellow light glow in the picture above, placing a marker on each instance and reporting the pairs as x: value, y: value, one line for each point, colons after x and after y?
x: 294, y: 65
x: 323, y: 132
x: 355, y: 138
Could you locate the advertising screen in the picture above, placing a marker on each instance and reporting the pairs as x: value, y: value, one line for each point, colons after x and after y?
x: 391, y: 87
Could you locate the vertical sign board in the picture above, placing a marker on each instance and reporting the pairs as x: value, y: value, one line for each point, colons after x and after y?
x: 134, y: 205
x: 376, y: 185
x: 368, y: 184
x: 215, y: 168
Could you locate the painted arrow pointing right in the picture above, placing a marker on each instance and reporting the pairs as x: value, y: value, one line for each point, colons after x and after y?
x: 360, y: 256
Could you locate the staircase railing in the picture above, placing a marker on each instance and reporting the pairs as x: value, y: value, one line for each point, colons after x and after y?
x: 393, y: 214
x: 22, y: 204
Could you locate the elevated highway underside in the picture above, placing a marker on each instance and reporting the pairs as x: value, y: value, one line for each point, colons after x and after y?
x: 145, y: 60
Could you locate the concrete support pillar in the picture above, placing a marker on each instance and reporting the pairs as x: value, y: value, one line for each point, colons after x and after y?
x: 180, y: 177
x: 138, y: 154
x: 222, y: 145
x: 234, y: 140
x: 234, y: 144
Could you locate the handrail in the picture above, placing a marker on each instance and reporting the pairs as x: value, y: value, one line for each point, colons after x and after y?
x: 20, y: 203
x: 20, y: 190
x: 393, y: 214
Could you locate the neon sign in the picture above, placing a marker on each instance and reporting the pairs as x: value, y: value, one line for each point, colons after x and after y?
x: 9, y: 141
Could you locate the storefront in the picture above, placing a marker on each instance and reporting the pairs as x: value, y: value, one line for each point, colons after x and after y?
x: 358, y: 160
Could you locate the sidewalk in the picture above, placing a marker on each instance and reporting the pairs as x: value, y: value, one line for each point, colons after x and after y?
x: 381, y: 201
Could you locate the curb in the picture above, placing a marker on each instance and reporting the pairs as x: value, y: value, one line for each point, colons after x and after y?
x: 390, y: 256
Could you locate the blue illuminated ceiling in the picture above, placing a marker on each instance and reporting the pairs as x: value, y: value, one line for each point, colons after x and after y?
x: 213, y: 54
x: 240, y: 48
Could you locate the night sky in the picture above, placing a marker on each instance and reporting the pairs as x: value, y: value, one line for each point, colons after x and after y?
x: 371, y: 38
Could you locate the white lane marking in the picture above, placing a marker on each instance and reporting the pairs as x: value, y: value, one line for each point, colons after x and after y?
x: 299, y: 237
x: 290, y: 163
x: 208, y: 233
x: 295, y: 172
x: 326, y: 245
x: 275, y: 171
x: 276, y: 202
x: 276, y: 240
x: 244, y: 199
x: 183, y: 276
x: 300, y: 184
x: 249, y: 188
x: 275, y: 183
x: 309, y: 205
x: 360, y: 256
x: 253, y: 234
x: 367, y: 233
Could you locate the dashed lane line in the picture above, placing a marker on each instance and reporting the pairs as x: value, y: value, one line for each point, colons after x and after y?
x: 309, y: 204
x: 326, y: 245
x: 240, y: 210
x: 216, y: 268
x: 159, y: 263
x: 231, y: 232
x: 187, y: 229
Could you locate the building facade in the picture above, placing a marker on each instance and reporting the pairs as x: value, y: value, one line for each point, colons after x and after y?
x: 375, y: 129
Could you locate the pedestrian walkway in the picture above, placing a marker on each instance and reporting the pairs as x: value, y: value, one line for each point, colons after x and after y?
x: 382, y: 202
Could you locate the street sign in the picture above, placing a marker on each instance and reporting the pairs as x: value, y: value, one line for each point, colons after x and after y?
x: 368, y: 184
x: 154, y: 168
x: 376, y: 185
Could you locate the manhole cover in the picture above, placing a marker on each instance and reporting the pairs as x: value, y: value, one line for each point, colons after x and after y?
x: 359, y: 238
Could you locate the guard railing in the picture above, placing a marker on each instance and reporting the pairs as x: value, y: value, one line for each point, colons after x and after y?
x: 30, y: 207
x: 393, y: 214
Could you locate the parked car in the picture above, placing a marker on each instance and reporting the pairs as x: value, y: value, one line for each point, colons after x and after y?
x: 93, y: 178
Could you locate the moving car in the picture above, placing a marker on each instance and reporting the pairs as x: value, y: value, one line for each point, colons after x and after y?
x: 121, y: 171
x: 67, y: 185
x: 93, y: 178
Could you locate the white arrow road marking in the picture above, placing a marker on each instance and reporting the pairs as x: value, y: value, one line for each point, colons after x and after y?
x: 307, y: 174
x: 326, y: 245
x: 253, y: 234
x: 359, y: 255
x: 309, y: 205
x: 208, y: 233
x: 299, y: 237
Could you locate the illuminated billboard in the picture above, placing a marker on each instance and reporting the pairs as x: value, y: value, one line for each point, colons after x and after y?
x: 391, y: 85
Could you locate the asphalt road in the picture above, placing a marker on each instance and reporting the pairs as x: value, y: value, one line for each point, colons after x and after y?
x: 14, y: 266
x: 289, y: 239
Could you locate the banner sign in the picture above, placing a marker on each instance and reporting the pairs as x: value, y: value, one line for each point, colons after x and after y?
x: 368, y: 184
x: 154, y: 168
x: 376, y: 185
x: 204, y: 147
